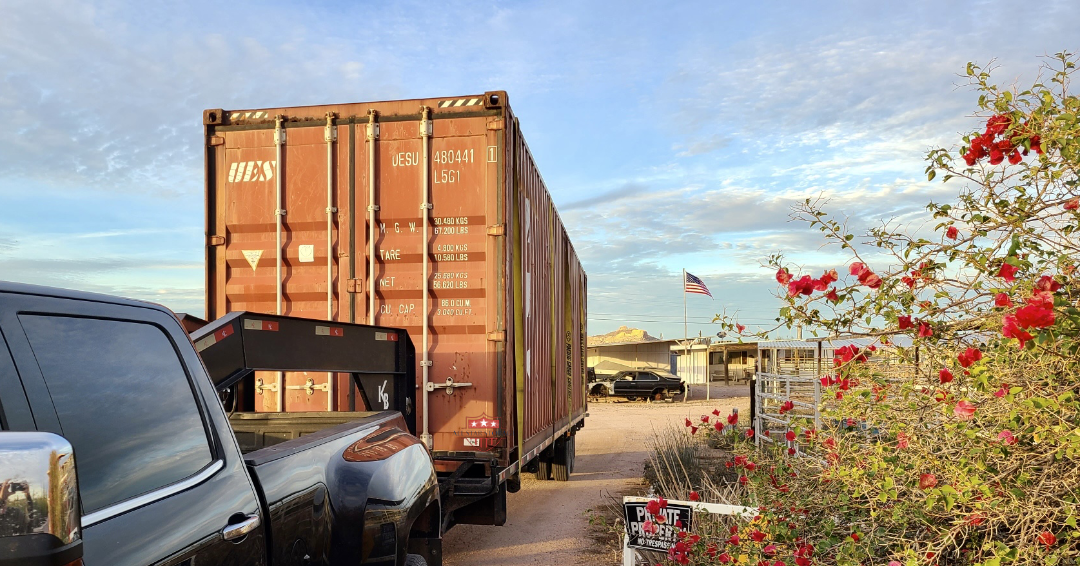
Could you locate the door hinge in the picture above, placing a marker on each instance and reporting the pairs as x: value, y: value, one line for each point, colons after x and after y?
x: 497, y: 230
x: 215, y: 240
x: 497, y: 336
x: 497, y: 124
x: 354, y: 285
x: 215, y: 140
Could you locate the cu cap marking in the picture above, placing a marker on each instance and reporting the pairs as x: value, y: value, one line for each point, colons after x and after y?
x: 214, y: 338
x: 267, y: 325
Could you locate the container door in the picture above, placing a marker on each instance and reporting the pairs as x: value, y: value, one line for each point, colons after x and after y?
x: 463, y: 284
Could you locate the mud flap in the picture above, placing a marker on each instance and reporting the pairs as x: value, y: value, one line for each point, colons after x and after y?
x: 490, y: 510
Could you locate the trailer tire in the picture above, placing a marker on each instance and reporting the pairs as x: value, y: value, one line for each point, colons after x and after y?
x: 415, y: 560
x: 564, y: 459
x: 543, y: 468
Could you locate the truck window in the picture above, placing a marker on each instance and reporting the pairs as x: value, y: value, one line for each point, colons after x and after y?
x: 124, y: 402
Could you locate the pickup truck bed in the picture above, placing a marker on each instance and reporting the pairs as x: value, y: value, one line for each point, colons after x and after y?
x: 255, y: 431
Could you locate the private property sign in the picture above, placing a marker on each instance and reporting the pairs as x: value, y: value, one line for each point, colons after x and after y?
x: 667, y: 532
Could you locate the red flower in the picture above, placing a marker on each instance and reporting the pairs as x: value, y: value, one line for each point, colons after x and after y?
x: 997, y: 124
x: 731, y: 419
x: 750, y: 466
x: 905, y: 322
x: 724, y: 558
x: 749, y: 433
x: 740, y: 460
x: 925, y: 331
x: 1072, y: 204
x: 653, y: 507
x: 902, y: 440
x: 689, y: 423
x: 1008, y: 272
x: 791, y: 452
x: 1034, y: 316
x: 952, y: 233
x: 1010, y: 329
x: 1014, y: 157
x: 693, y: 430
x: 719, y: 426
x: 1047, y: 284
x: 716, y: 412
x: 964, y: 410
x: 769, y: 550
x: 790, y: 436
x: 704, y: 418
x: 1002, y: 300
x: 694, y: 496
x: 801, y: 286
x: 996, y: 156
x: 945, y: 375
x: 909, y: 281
x: 1036, y: 144
x: 857, y: 268
x: 1001, y: 392
x: 739, y: 327
x: 1047, y: 538
x: 786, y: 406
x: 743, y: 480
x: 1007, y: 437
x: 757, y: 535
x: 783, y: 276
x: 855, y: 537
x: 927, y: 481
x: 969, y: 357
x: 832, y: 296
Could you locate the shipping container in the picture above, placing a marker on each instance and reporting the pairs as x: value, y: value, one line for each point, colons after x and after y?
x: 427, y: 215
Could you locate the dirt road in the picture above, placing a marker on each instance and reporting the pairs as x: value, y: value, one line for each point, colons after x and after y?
x: 546, y: 521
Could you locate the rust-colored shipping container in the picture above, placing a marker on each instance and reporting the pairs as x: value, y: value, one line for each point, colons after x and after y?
x: 428, y: 215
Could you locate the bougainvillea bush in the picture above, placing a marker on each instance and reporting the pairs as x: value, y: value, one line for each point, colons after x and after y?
x: 971, y: 453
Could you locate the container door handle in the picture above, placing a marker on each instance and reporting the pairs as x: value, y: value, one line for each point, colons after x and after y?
x: 233, y: 531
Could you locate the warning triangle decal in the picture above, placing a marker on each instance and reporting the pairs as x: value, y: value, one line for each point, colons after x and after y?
x: 252, y: 257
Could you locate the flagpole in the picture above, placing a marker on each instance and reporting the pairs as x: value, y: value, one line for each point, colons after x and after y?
x: 686, y: 335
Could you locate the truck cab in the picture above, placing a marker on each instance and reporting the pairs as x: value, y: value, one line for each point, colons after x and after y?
x: 110, y: 396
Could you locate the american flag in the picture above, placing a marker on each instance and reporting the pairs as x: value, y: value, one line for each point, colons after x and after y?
x: 695, y: 285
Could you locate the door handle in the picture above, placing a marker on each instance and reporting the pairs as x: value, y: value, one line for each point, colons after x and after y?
x: 233, y: 531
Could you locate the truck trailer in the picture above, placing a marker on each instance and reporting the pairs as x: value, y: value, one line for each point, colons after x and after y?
x: 427, y: 215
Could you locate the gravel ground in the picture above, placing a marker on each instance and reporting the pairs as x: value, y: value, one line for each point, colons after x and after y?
x: 546, y: 521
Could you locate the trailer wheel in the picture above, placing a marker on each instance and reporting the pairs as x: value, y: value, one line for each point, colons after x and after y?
x: 543, y: 466
x: 564, y: 459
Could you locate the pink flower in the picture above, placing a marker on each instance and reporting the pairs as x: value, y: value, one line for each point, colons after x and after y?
x: 952, y: 233
x: 1002, y: 300
x: 1072, y: 204
x: 650, y: 527
x: 783, y: 276
x: 1007, y: 437
x: 927, y: 481
x: 964, y: 410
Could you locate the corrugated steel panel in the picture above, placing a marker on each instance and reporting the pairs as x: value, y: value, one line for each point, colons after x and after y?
x: 507, y: 294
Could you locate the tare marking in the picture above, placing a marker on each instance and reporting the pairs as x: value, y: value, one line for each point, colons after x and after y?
x: 244, y: 171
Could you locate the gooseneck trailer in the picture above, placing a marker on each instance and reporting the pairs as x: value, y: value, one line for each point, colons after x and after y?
x: 425, y: 215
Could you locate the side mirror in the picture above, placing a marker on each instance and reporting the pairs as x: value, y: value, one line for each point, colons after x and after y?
x: 40, y: 517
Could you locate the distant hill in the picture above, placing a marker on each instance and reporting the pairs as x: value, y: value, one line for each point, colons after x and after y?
x: 623, y: 334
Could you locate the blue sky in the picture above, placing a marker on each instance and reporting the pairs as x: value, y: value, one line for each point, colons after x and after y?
x: 670, y: 136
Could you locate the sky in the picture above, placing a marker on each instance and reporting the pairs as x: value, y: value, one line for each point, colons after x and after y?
x: 670, y: 135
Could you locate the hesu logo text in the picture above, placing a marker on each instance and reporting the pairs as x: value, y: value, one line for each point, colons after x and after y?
x: 243, y: 171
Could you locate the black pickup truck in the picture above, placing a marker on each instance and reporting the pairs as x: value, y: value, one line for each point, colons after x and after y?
x: 116, y: 450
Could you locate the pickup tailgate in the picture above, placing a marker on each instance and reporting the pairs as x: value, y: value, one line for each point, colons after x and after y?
x: 343, y: 491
